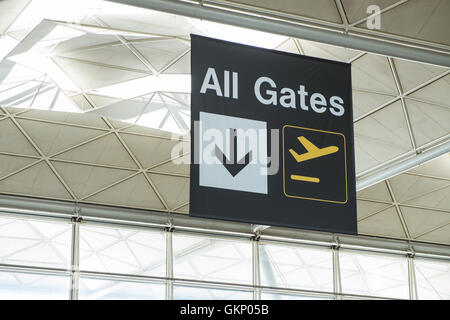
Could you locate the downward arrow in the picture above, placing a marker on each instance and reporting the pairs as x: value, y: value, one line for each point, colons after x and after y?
x: 233, y: 166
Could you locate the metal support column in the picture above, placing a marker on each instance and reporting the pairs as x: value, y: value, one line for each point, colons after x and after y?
x: 169, y: 263
x: 411, y: 276
x: 256, y: 273
x: 75, y: 258
x: 337, y: 286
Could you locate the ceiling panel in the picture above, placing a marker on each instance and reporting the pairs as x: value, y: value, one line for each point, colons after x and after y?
x: 81, y: 101
x: 146, y: 131
x: 378, y: 192
x: 365, y: 102
x: 326, y: 51
x: 101, y: 101
x: 81, y: 120
x: 430, y: 20
x: 90, y: 76
x: 86, y: 179
x: 356, y: 10
x: 11, y: 164
x: 367, y: 208
x: 115, y: 55
x: 421, y: 221
x: 153, y: 22
x: 181, y: 166
x: 437, y: 92
x: 106, y: 150
x: 429, y: 122
x: 175, y: 190
x: 372, y: 73
x: 423, y: 196
x: 160, y: 53
x: 289, y: 45
x: 380, y: 137
x: 184, y: 209
x: 38, y: 180
x: 181, y: 66
x: 84, y: 43
x: 12, y: 140
x: 413, y: 74
x: 385, y: 223
x: 439, y: 167
x: 10, y: 9
x: 440, y: 235
x: 135, y: 192
x: 407, y: 186
x: 149, y: 152
x: 53, y: 138
x: 439, y: 199
x: 322, y: 9
x: 130, y: 110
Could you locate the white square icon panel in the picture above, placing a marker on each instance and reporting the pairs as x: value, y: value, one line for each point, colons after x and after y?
x: 232, y: 153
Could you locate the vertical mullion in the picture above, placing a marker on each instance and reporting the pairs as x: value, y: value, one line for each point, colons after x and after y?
x: 411, y: 277
x: 337, y: 286
x: 169, y: 264
x: 256, y: 270
x: 75, y: 261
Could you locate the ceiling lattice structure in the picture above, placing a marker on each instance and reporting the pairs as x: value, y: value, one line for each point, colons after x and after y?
x: 414, y: 21
x: 95, y: 95
x: 87, y: 158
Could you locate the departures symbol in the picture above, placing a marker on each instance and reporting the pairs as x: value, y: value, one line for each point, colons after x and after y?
x: 312, y: 153
x: 233, y: 165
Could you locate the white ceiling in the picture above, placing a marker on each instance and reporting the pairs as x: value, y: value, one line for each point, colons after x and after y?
x: 120, y: 75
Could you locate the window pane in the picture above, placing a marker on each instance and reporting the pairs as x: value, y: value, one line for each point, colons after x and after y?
x: 121, y: 250
x: 99, y: 289
x: 432, y: 279
x: 27, y: 286
x: 211, y: 259
x: 279, y: 296
x: 380, y: 275
x: 196, y: 293
x: 302, y: 267
x: 35, y: 242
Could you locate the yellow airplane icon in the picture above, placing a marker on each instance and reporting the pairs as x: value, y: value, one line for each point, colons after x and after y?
x: 313, y: 152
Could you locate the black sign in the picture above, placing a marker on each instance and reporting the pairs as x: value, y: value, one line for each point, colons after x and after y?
x: 271, y: 138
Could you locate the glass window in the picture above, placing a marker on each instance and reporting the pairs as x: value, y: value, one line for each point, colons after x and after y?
x: 373, y: 274
x: 432, y: 279
x: 292, y: 266
x: 121, y: 250
x: 30, y: 286
x: 198, y: 293
x: 283, y: 296
x: 99, y: 289
x: 204, y: 258
x: 35, y: 242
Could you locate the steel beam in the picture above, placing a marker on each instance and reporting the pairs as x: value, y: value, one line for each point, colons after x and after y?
x: 302, y: 31
x: 403, y: 166
x: 40, y: 208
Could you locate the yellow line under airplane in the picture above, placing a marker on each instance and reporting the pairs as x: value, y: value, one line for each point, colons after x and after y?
x: 312, y: 153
